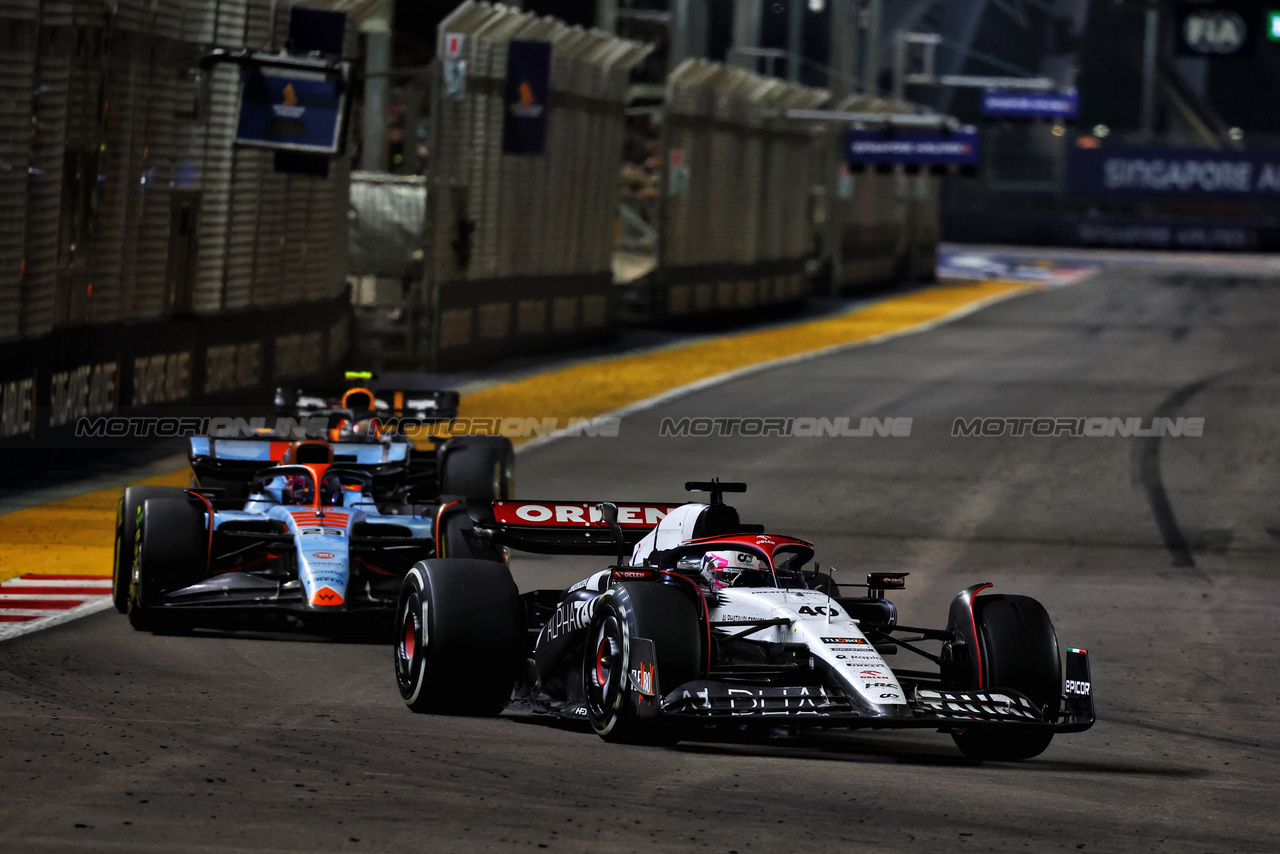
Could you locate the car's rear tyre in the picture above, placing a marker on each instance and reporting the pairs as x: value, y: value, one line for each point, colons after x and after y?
x: 459, y: 646
x: 128, y: 510
x: 664, y: 614
x: 1019, y: 650
x: 481, y: 467
x: 172, y: 553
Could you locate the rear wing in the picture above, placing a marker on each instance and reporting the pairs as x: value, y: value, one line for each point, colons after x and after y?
x: 563, y: 527
x: 429, y: 405
x: 268, y: 450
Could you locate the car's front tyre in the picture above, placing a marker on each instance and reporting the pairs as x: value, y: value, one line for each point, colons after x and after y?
x: 172, y: 553
x: 665, y: 615
x: 459, y: 645
x: 1019, y: 650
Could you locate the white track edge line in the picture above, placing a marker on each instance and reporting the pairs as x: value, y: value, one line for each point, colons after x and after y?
x: 8, y: 631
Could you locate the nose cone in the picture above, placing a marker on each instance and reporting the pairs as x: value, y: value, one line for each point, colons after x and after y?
x: 327, y: 597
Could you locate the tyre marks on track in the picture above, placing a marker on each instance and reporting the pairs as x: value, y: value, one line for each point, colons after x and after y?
x: 32, y: 602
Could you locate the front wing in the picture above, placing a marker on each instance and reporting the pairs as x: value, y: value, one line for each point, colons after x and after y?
x: 931, y: 708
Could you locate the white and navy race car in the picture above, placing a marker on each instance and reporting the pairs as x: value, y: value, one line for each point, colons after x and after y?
x: 709, y: 623
x: 309, y: 547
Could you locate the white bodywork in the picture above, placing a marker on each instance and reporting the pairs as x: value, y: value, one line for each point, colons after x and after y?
x: 814, y: 619
x: 831, y: 635
x: 675, y: 528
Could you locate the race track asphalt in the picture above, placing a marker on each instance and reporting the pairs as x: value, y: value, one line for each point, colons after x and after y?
x: 1158, y: 556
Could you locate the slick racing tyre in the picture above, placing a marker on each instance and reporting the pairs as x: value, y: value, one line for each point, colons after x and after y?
x: 172, y: 553
x: 1020, y: 651
x: 479, y: 467
x: 667, y: 616
x: 128, y: 511
x: 459, y: 645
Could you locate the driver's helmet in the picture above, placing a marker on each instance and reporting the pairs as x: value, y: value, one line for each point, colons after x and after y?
x: 330, y: 492
x: 366, y: 430
x: 298, y: 490
x: 342, y: 431
x: 721, y: 569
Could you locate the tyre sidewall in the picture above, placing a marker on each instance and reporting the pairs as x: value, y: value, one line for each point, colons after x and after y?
x: 468, y: 637
x: 128, y: 513
x: 170, y: 554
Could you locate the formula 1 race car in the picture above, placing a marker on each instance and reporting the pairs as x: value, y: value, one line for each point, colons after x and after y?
x: 361, y: 424
x: 309, y: 547
x: 712, y: 623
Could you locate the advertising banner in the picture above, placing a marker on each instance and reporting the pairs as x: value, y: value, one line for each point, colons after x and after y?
x: 291, y: 109
x: 1030, y: 105
x: 912, y: 148
x: 1149, y: 172
x: 524, y: 126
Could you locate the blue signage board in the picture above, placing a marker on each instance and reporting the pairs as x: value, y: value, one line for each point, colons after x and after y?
x: 1150, y: 172
x: 1030, y: 105
x: 291, y: 109
x: 524, y: 124
x: 912, y: 147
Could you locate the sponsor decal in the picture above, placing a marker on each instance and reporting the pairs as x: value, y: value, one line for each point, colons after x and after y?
x: 586, y: 514
x: 869, y: 685
x: 760, y: 541
x: 571, y: 617
x: 776, y: 700
x: 323, y: 555
x: 631, y: 575
x: 819, y: 610
x: 842, y: 641
x: 326, y: 596
x: 1079, y: 688
x: 873, y: 674
x: 642, y: 679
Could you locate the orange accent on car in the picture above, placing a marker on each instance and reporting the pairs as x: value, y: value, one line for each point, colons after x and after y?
x: 326, y: 596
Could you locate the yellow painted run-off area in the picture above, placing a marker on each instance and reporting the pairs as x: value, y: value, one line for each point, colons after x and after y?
x: 76, y: 535
x: 605, y: 385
